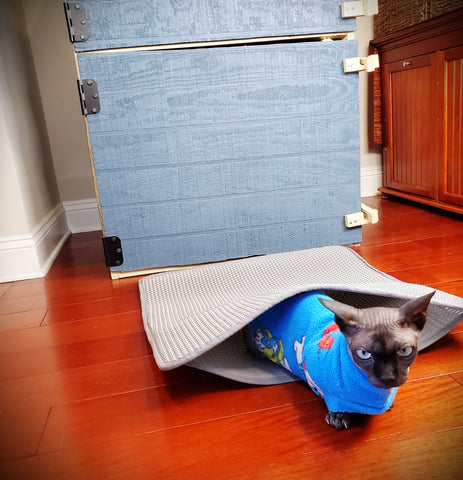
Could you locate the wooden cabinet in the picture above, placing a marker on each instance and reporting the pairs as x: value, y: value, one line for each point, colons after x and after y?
x: 422, y: 109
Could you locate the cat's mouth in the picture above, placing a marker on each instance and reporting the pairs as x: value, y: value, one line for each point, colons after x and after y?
x: 387, y: 384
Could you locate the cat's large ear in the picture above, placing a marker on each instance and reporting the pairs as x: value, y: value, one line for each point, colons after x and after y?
x: 346, y: 317
x: 415, y: 311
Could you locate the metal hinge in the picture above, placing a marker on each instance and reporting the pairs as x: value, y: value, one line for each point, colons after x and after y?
x: 366, y: 215
x: 357, y: 64
x: 359, y: 8
x: 113, y: 251
x: 89, y: 97
x: 77, y: 22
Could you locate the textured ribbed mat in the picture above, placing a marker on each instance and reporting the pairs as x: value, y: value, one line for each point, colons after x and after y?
x: 194, y: 316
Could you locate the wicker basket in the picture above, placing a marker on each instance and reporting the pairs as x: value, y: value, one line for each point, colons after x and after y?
x: 439, y: 7
x: 395, y: 15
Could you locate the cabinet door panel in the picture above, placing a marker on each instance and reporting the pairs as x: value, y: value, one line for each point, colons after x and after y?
x: 122, y: 23
x: 213, y: 153
x: 411, y: 126
x: 452, y: 166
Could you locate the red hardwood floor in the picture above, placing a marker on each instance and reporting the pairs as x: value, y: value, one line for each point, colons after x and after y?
x: 81, y: 397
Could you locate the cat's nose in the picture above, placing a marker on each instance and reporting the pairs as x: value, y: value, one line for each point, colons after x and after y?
x: 388, y: 372
x: 389, y: 381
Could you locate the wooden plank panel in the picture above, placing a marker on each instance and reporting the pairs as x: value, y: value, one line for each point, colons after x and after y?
x: 445, y: 356
x: 15, y: 305
x: 436, y: 455
x: 412, y: 137
x: 220, y: 85
x: 241, y: 177
x: 203, y: 155
x: 4, y: 288
x: 16, y: 321
x: 452, y: 165
x: 21, y: 429
x: 407, y: 255
x: 458, y: 377
x: 447, y: 272
x: 156, y: 410
x: 232, y: 213
x: 413, y: 227
x: 301, y: 434
x: 161, y: 408
x: 70, y: 332
x: 91, y: 382
x: 129, y: 302
x: 454, y: 287
x: 244, y: 143
x: 172, y: 455
x: 197, y: 248
x: 116, y: 23
x: 45, y: 360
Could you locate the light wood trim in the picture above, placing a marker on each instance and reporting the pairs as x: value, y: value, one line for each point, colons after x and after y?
x: 225, y: 43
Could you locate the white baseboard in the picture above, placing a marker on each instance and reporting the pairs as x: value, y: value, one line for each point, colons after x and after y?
x: 82, y: 215
x: 371, y: 178
x: 31, y: 256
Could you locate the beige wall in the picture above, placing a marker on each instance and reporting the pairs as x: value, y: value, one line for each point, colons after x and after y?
x: 27, y: 171
x: 12, y: 209
x: 53, y: 57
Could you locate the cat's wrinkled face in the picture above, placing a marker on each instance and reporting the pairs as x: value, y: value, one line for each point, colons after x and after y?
x: 385, y: 349
x: 382, y: 342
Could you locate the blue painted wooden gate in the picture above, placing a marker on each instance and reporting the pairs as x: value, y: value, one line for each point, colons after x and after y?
x: 203, y: 154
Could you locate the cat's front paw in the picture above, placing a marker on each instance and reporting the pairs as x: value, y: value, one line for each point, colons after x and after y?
x: 338, y: 420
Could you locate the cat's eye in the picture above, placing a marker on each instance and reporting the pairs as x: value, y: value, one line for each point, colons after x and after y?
x: 405, y: 351
x: 363, y: 354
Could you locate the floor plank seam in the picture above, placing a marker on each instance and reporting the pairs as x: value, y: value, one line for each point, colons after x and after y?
x: 455, y: 379
x: 44, y: 316
x: 430, y: 377
x: 158, y: 431
x: 43, y: 431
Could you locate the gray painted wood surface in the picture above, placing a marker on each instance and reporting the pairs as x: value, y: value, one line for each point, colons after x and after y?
x: 214, y: 153
x: 123, y: 23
